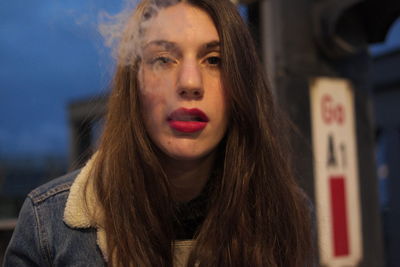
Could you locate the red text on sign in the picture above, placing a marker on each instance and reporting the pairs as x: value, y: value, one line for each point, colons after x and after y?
x: 332, y: 112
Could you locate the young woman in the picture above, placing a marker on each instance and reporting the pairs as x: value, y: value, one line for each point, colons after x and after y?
x: 190, y: 170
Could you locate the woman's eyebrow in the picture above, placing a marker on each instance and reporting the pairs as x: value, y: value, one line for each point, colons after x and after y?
x: 171, y: 45
x: 212, y: 45
x: 162, y: 43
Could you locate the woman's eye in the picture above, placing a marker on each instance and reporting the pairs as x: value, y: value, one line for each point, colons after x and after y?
x: 162, y: 60
x: 214, y: 61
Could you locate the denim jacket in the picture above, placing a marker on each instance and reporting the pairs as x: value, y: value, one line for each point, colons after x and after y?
x: 55, y: 228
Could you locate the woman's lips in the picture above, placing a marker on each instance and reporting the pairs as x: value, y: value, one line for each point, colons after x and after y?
x: 187, y: 120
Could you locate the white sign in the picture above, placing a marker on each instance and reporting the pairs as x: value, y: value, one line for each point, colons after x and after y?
x: 336, y: 172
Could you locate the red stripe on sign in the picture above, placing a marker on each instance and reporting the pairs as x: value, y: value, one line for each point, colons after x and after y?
x: 339, y: 216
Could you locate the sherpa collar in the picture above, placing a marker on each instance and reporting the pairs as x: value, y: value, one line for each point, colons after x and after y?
x: 82, y: 210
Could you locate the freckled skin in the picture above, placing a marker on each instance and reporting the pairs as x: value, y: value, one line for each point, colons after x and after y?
x: 185, y: 76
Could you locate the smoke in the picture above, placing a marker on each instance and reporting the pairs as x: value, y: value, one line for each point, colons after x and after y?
x: 112, y: 26
x: 123, y: 32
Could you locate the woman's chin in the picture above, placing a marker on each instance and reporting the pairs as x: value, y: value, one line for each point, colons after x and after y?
x: 186, y: 154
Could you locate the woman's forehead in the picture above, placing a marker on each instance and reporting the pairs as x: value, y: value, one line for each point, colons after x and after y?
x: 180, y: 23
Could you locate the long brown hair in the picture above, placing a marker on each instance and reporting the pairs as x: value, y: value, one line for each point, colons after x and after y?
x: 258, y: 216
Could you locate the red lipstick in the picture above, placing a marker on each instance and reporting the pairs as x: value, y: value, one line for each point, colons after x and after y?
x: 187, y: 120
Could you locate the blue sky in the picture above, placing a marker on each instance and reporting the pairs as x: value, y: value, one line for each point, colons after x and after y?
x: 51, y: 53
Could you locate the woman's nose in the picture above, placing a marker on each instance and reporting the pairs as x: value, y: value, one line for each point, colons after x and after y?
x: 190, y: 81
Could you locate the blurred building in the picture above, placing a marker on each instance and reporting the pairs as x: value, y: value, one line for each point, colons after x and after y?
x: 85, y: 124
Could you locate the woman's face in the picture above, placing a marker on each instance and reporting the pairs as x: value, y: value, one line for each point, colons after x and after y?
x: 183, y: 102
